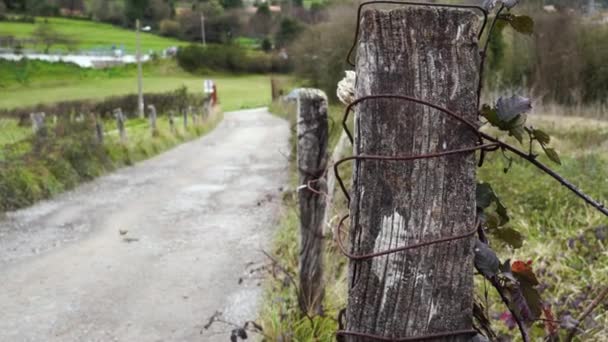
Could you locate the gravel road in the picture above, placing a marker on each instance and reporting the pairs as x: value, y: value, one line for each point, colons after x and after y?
x: 195, y: 220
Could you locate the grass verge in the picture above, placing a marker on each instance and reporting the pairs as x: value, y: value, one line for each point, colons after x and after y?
x: 91, y: 35
x: 566, y: 240
x: 70, y: 154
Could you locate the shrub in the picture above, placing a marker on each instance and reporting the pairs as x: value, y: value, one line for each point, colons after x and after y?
x: 230, y: 58
x: 164, y: 102
x: 169, y: 28
x: 318, y: 54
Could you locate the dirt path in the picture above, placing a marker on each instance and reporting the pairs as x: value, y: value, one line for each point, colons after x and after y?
x: 197, y: 218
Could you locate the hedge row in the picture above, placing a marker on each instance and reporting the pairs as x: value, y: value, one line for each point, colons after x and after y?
x: 231, y: 58
x: 164, y: 102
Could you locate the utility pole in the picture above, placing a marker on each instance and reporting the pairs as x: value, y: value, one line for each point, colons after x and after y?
x: 203, y: 29
x: 591, y: 7
x: 426, y: 290
x: 140, y: 87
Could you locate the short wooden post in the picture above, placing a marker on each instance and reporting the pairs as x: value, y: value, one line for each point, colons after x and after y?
x: 185, y: 116
x: 152, y: 117
x: 172, y: 121
x: 274, y: 88
x: 312, y: 161
x: 193, y: 114
x: 98, y: 128
x: 120, y: 124
x: 430, y: 54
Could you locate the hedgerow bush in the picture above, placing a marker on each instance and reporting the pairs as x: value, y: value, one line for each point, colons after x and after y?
x: 231, y: 58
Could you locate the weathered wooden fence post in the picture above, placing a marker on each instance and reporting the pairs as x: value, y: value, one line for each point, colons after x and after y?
x: 185, y: 116
x: 120, y: 123
x: 428, y: 53
x: 98, y: 128
x: 172, y: 121
x: 312, y: 162
x: 193, y: 114
x: 152, y: 118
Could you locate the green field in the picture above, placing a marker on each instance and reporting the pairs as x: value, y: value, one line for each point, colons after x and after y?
x: 33, y: 82
x: 90, y: 34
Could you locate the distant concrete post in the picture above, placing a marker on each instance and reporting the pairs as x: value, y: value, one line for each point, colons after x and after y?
x: 140, y: 87
x: 208, y: 106
x: 430, y: 54
x: 98, y: 128
x: 120, y: 124
x: 152, y: 118
x: 38, y: 125
x: 312, y: 161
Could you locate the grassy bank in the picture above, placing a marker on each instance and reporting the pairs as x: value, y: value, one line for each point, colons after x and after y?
x: 70, y: 154
x: 90, y: 35
x: 565, y: 239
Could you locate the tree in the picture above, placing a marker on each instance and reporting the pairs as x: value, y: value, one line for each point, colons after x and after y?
x: 261, y: 22
x: 289, y: 29
x: 135, y: 9
x: 159, y: 10
x: 46, y: 34
x: 232, y: 3
x: 111, y: 11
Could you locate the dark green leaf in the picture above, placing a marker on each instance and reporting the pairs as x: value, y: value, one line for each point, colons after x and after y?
x: 522, y: 24
x: 509, y: 236
x: 552, y: 154
x: 502, y: 212
x: 491, y: 115
x: 541, y: 136
x: 505, y: 270
x: 486, y: 261
x: 484, y: 195
x: 492, y: 221
x: 518, y: 133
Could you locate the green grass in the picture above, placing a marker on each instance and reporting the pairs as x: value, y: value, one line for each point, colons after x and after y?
x: 50, y: 83
x: 11, y: 132
x: 90, y: 34
x: 560, y: 233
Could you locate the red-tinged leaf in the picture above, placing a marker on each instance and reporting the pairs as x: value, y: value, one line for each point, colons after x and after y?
x: 551, y: 327
x: 523, y: 271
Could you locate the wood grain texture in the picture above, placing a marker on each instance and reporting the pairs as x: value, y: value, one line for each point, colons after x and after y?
x: 312, y: 162
x: 431, y: 54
